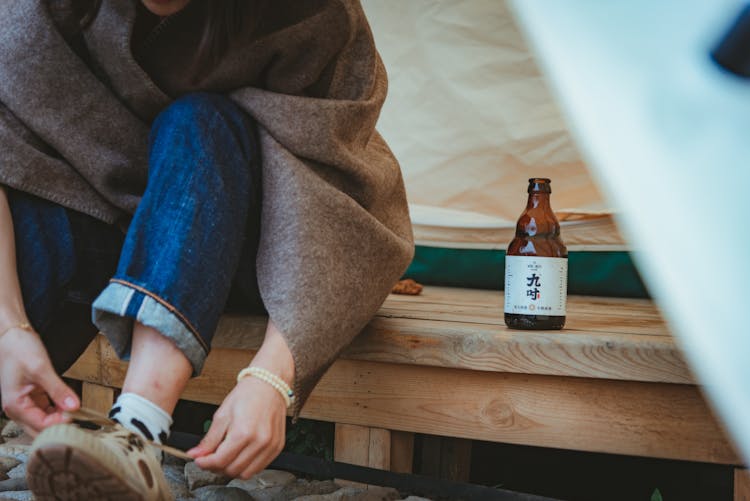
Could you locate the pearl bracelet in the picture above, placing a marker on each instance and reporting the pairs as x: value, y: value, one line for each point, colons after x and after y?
x: 272, y: 379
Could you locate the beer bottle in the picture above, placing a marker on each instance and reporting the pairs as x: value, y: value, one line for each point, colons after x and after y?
x: 536, y: 266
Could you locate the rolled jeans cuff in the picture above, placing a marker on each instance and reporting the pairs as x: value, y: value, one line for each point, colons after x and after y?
x: 119, y: 305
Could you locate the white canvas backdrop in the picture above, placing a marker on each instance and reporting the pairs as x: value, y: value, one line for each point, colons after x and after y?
x: 471, y: 118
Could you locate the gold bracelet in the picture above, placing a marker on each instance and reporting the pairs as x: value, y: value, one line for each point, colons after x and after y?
x: 24, y: 325
x: 272, y: 379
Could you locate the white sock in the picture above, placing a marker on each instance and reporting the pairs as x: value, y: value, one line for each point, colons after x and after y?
x: 142, y: 416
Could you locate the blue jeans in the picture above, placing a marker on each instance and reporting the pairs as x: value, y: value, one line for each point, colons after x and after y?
x: 190, y: 245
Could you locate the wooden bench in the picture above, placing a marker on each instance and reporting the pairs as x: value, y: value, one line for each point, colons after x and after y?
x: 443, y: 363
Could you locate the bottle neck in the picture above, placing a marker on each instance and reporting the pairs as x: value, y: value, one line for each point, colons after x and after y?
x: 538, y: 200
x: 538, y: 219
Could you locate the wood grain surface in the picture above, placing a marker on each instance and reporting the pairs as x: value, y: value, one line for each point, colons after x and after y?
x: 741, y: 485
x: 443, y: 363
x: 597, y: 415
x: 610, y: 338
x: 97, y: 397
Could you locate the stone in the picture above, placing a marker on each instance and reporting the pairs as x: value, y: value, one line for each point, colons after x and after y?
x: 415, y: 498
x: 19, y: 495
x: 264, y: 480
x: 269, y: 494
x: 22, y: 439
x: 12, y: 430
x: 222, y: 493
x: 7, y: 464
x: 351, y: 493
x: 18, y: 472
x: 16, y: 451
x: 197, y: 478
x: 175, y: 476
x: 13, y: 484
x: 170, y: 460
x: 301, y: 488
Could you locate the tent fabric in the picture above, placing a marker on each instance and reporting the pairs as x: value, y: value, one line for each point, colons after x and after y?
x: 470, y: 118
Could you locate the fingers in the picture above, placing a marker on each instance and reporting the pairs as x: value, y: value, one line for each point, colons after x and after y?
x: 213, y: 438
x: 29, y: 382
x: 268, y: 453
x: 244, y: 452
x: 246, y: 434
x: 241, y: 462
x: 225, y: 454
x: 62, y: 396
x: 24, y: 410
x: 256, y: 466
x: 56, y: 417
x: 260, y: 461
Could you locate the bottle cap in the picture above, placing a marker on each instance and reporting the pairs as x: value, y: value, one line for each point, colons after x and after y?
x: 539, y: 184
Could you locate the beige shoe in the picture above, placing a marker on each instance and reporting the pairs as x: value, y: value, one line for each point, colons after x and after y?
x: 108, y: 464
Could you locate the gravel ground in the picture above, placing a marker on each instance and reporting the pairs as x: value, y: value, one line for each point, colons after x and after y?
x: 189, y: 482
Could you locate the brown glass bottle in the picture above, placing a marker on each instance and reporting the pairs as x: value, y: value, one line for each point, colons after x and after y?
x: 536, y: 271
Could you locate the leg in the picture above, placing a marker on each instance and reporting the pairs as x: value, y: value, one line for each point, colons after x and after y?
x: 183, y: 245
x: 51, y: 243
x: 164, y: 302
x: 158, y: 370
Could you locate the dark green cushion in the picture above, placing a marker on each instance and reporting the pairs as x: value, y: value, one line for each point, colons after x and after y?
x: 589, y: 273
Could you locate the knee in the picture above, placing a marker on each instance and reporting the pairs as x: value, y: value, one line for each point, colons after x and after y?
x: 201, y: 109
x: 207, y: 124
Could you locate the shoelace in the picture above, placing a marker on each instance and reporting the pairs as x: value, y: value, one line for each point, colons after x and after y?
x: 97, y: 418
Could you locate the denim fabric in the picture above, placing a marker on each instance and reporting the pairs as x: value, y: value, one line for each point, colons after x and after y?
x: 51, y: 243
x: 184, y: 243
x: 44, y: 254
x: 191, y: 242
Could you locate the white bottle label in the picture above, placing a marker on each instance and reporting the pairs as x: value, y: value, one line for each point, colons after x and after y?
x: 536, y: 285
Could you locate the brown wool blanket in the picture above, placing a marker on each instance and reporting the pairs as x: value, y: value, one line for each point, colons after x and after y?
x: 75, y: 112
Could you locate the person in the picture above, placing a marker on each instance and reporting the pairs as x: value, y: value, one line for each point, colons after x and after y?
x: 161, y: 161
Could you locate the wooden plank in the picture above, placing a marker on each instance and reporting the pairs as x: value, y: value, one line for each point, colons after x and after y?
x: 351, y: 444
x: 455, y: 459
x: 97, y: 397
x: 446, y: 458
x: 609, y: 338
x: 240, y: 332
x: 583, y: 312
x: 87, y: 367
x: 642, y: 419
x: 741, y: 485
x: 496, y: 348
x: 609, y: 344
x: 402, y: 451
x: 461, y: 346
x: 620, y: 417
x: 432, y: 447
x: 474, y: 301
x: 379, y: 455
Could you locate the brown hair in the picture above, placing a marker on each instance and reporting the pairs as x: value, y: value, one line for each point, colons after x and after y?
x: 224, y: 20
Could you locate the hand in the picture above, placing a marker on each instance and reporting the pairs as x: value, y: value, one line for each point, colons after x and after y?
x: 32, y: 393
x: 247, y: 432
